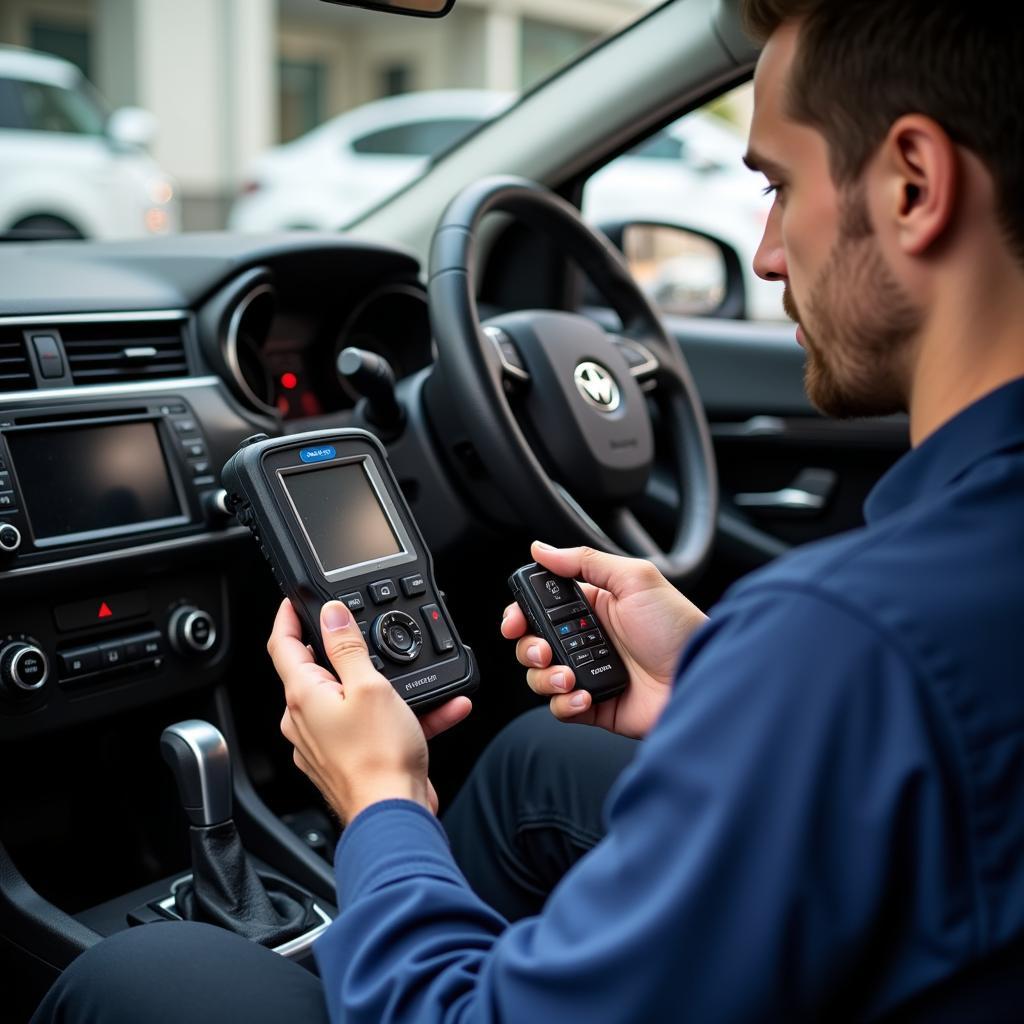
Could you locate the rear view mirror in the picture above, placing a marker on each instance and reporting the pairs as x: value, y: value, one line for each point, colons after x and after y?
x: 417, y: 8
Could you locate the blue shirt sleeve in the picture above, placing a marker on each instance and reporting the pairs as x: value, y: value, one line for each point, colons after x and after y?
x: 782, y: 836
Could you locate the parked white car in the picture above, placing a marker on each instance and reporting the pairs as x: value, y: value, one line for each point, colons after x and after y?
x: 327, y: 177
x: 67, y: 167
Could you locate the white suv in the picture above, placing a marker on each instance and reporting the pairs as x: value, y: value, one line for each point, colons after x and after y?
x: 67, y: 169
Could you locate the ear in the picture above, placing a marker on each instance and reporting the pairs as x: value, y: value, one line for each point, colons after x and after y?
x: 923, y: 169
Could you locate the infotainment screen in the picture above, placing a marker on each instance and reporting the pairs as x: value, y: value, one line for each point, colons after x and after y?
x: 342, y: 515
x: 78, y: 482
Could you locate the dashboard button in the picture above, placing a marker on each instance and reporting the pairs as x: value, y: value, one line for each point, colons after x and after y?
x: 112, y: 654
x: 79, y: 661
x: 101, y: 610
x: 195, y: 449
x: 383, y: 591
x: 414, y: 586
x: 7, y: 499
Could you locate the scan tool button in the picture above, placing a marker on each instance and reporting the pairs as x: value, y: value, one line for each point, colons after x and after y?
x: 552, y: 590
x: 438, y: 629
x: 414, y: 586
x: 354, y: 602
x: 383, y: 591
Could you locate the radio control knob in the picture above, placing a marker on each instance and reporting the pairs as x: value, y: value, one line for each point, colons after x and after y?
x: 397, y: 636
x: 10, y: 539
x: 23, y: 668
x: 192, y: 631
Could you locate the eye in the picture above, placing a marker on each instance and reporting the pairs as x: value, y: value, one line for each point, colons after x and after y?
x: 769, y: 189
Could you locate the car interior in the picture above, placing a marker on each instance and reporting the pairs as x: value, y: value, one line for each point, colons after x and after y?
x: 133, y: 600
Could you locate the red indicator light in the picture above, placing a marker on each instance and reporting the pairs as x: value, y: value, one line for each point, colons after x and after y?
x: 289, y: 381
x: 104, y: 612
x: 435, y: 615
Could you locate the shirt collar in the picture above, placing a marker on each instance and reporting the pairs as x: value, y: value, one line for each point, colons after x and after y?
x: 990, y: 425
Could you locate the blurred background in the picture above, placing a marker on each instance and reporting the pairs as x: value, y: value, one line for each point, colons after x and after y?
x: 125, y: 118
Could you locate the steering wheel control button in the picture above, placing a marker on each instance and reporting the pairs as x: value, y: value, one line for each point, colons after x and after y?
x: 79, y: 662
x: 579, y: 658
x: 354, y: 602
x: 192, y: 631
x: 383, y: 591
x: 396, y: 635
x: 440, y: 634
x: 414, y: 586
x: 553, y: 591
x: 10, y: 538
x: 101, y: 610
x: 597, y: 386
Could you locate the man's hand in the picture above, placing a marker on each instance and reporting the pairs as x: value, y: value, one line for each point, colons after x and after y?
x: 646, y: 618
x: 357, y: 740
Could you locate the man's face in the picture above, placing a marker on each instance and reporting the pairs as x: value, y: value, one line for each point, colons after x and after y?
x: 855, y: 320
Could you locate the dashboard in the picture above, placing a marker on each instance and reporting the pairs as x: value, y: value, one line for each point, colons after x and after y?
x: 129, y: 372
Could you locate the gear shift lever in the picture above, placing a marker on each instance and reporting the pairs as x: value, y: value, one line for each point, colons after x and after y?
x: 198, y: 756
x: 225, y: 888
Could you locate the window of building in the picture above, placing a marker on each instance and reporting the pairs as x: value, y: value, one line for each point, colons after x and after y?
x: 395, y: 79
x: 303, y: 87
x: 71, y: 42
x: 416, y: 138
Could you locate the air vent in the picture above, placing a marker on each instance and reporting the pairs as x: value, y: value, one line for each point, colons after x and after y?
x: 15, y: 369
x: 118, y: 353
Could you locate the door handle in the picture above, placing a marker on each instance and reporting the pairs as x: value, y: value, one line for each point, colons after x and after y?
x: 807, y: 495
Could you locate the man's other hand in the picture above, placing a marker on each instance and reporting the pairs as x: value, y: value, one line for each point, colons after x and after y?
x: 646, y: 618
x: 356, y: 739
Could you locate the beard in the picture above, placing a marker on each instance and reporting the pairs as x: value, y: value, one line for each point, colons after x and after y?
x: 859, y: 325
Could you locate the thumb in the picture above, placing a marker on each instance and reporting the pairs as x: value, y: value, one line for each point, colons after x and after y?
x: 344, y: 644
x: 615, y: 573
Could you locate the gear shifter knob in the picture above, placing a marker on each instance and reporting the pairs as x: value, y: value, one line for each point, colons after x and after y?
x: 198, y: 756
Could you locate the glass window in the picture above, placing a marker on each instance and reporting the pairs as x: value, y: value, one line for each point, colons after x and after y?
x: 545, y: 47
x: 417, y: 138
x: 301, y: 98
x: 49, y: 108
x: 10, y: 105
x: 698, y: 181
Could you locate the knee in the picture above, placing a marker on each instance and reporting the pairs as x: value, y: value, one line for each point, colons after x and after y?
x: 137, y: 970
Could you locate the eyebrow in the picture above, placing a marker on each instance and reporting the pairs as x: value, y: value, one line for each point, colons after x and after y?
x: 762, y: 164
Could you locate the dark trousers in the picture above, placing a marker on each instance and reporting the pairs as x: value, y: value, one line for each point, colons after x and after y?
x: 529, y: 810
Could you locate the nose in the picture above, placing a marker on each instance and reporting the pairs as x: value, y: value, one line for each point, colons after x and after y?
x: 770, y: 258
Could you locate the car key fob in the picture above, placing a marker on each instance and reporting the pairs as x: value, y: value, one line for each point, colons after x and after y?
x: 556, y: 610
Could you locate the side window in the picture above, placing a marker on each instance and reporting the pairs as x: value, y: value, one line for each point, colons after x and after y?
x: 50, y: 108
x: 416, y: 138
x: 10, y: 109
x: 690, y: 175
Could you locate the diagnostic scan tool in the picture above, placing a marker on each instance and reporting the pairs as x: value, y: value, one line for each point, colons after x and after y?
x: 557, y: 610
x: 332, y: 522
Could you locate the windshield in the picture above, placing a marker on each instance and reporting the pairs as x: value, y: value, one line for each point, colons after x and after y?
x: 287, y: 113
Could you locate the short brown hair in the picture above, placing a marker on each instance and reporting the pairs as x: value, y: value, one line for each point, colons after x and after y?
x: 862, y: 64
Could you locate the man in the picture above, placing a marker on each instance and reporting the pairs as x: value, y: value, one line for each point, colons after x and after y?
x: 822, y: 819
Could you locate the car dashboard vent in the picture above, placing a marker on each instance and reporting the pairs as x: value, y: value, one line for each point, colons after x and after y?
x: 15, y: 369
x: 123, y: 352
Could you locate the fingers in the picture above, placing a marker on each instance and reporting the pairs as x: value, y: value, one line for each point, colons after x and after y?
x: 573, y: 707
x: 614, y: 573
x: 285, y: 641
x: 533, y: 652
x: 547, y: 682
x: 513, y: 622
x: 345, y: 647
x: 448, y: 714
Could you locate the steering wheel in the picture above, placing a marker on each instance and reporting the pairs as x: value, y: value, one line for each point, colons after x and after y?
x: 558, y: 407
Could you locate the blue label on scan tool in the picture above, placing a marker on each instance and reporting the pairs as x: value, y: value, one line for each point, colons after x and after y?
x: 319, y: 454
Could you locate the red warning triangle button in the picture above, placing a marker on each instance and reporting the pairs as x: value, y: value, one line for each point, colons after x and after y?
x: 104, y: 612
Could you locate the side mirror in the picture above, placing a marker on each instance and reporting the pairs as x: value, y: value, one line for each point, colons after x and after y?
x: 417, y: 8
x: 684, y: 272
x: 131, y: 128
